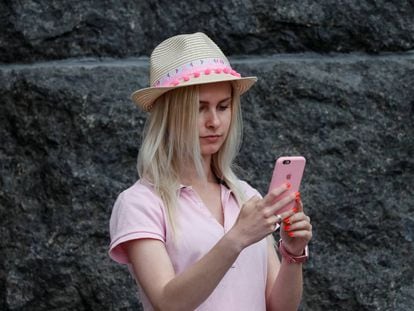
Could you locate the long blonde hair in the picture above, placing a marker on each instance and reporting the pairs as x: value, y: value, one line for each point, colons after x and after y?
x: 171, y: 142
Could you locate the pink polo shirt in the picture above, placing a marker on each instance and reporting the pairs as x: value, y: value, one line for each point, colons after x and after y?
x: 139, y: 213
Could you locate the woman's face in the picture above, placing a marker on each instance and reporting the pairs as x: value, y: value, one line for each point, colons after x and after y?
x: 214, y: 116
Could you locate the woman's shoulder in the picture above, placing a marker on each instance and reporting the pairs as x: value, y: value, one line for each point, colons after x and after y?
x: 141, y: 193
x: 137, y: 213
x: 137, y: 204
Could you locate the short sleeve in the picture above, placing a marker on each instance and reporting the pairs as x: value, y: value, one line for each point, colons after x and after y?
x: 137, y: 214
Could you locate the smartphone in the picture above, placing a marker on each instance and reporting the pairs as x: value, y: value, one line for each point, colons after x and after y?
x: 288, y: 169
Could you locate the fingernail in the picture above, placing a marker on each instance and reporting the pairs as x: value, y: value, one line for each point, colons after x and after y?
x: 295, y: 209
x: 288, y: 185
x: 297, y: 196
x: 286, y: 221
x: 291, y: 234
x: 287, y: 228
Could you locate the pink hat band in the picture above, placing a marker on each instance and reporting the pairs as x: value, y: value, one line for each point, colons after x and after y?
x: 195, y: 69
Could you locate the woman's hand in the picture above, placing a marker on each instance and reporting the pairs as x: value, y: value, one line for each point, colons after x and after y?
x: 296, y: 230
x: 258, y: 217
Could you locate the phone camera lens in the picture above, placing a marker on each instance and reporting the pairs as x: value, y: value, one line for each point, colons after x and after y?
x: 286, y: 162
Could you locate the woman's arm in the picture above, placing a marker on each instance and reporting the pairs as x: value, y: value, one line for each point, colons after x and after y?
x: 186, y: 291
x: 285, y: 281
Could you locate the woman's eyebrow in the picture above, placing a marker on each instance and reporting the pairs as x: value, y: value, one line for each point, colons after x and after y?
x: 220, y: 102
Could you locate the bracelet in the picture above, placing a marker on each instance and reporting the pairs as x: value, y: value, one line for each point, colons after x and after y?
x: 292, y: 258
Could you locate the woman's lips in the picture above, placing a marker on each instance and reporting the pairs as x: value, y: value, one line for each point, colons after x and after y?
x: 211, y: 138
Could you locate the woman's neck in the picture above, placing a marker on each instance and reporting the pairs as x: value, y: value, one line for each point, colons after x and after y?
x: 190, y: 177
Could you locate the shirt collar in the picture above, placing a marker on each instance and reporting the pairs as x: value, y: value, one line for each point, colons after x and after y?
x: 223, y: 186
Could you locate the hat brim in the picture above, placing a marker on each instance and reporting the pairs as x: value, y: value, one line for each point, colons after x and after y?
x: 144, y: 98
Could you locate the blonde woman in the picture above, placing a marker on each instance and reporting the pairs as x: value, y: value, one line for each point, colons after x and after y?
x: 194, y: 236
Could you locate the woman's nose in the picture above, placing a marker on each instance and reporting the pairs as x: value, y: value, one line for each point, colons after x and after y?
x: 213, y: 119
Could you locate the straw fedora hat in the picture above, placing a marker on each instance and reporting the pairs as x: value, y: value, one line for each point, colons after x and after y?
x: 184, y: 60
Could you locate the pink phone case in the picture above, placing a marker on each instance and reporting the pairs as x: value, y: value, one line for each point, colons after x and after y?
x: 288, y: 169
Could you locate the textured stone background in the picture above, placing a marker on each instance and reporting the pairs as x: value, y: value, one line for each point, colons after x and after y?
x: 70, y: 135
x: 43, y: 30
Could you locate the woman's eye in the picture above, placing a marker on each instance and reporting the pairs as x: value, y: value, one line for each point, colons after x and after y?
x: 224, y: 107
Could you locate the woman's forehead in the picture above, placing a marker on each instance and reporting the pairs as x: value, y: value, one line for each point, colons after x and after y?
x: 215, y: 91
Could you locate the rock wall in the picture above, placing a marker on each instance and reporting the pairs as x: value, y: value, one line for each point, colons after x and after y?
x: 44, y: 30
x: 70, y: 136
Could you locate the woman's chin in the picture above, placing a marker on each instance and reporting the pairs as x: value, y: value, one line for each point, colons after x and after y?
x: 209, y: 151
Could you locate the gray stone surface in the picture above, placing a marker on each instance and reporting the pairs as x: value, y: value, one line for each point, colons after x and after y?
x: 69, y: 140
x: 50, y: 29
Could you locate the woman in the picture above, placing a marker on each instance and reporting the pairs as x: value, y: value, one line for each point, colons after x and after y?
x: 193, y: 235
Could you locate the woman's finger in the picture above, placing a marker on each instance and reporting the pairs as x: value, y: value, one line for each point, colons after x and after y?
x: 295, y: 217
x: 281, y: 203
x: 299, y: 204
x: 270, y: 198
x: 304, y: 234
x: 297, y: 226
